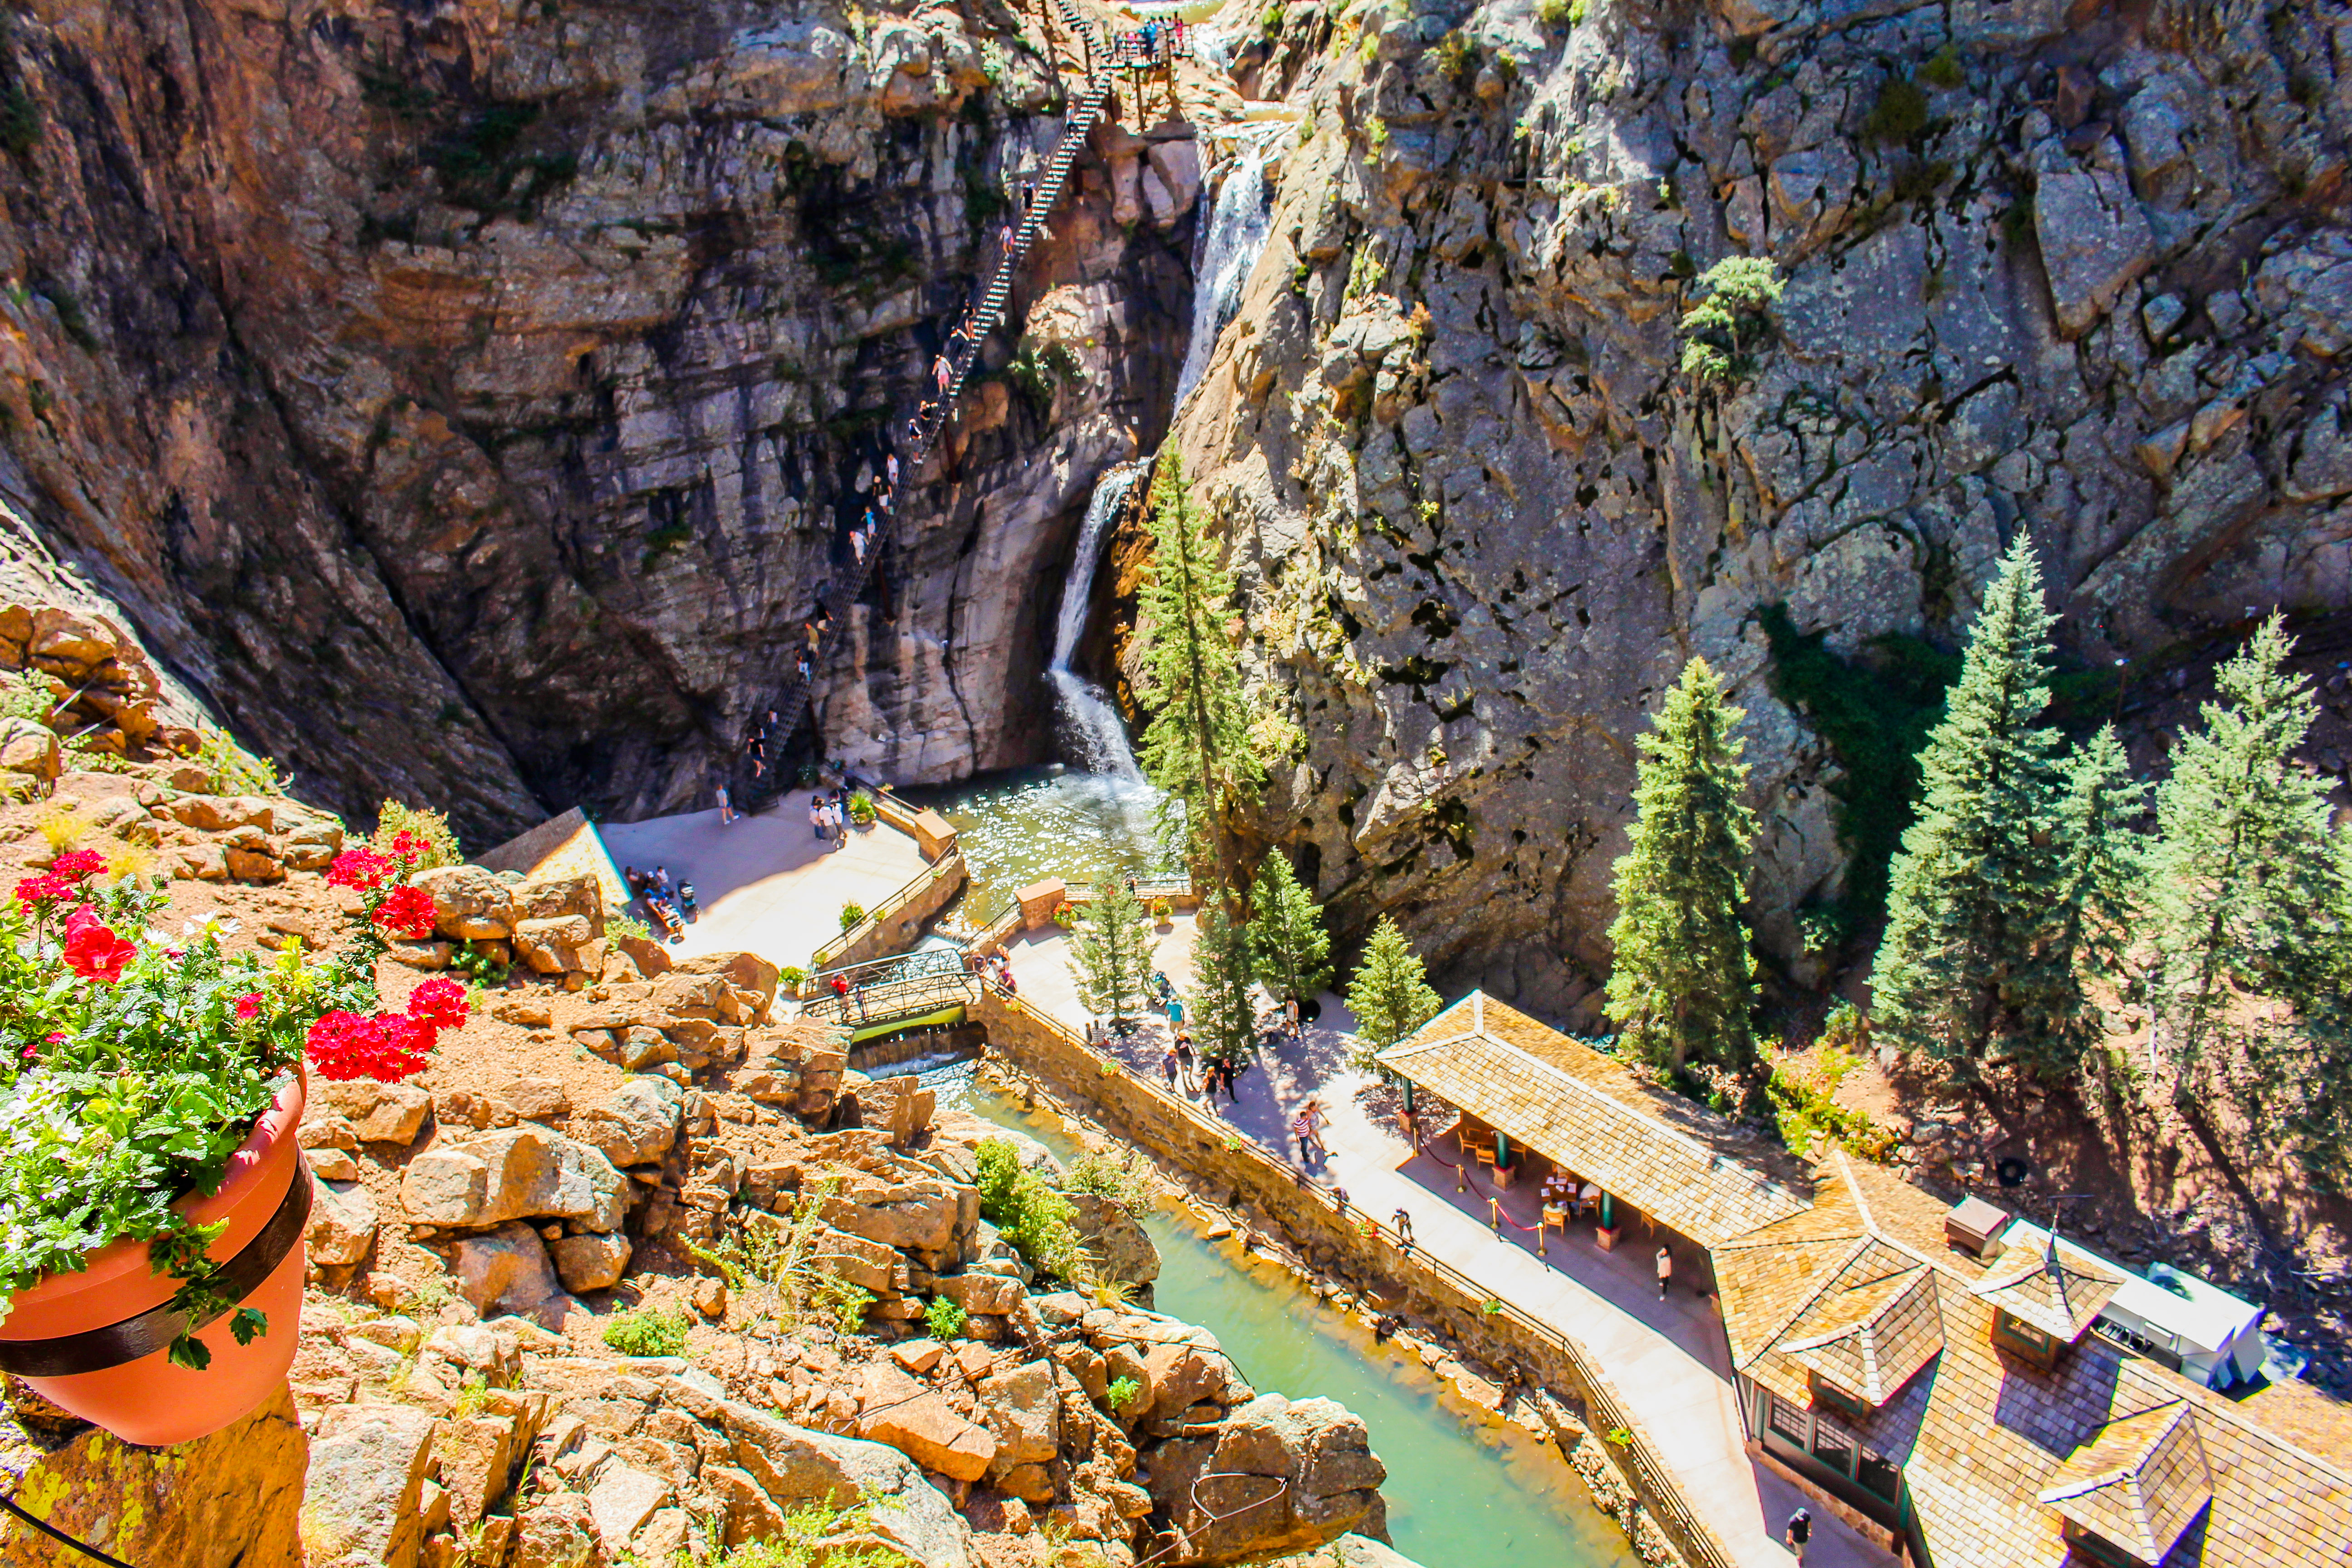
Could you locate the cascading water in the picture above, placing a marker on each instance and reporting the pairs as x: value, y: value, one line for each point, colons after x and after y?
x: 1092, y: 736
x: 1238, y: 226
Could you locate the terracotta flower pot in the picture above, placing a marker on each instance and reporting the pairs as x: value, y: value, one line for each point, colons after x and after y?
x: 100, y: 1344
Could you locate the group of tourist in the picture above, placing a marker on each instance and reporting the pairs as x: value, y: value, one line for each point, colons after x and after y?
x: 829, y: 816
x: 669, y: 905
x: 994, y: 966
x: 1153, y: 44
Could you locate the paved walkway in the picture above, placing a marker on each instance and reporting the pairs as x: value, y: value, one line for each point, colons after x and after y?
x: 1668, y: 1359
x: 765, y: 883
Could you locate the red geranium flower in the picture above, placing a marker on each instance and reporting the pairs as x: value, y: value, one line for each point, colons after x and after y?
x: 46, y: 888
x: 439, y: 1003
x: 406, y: 912
x: 78, y: 865
x: 248, y: 1006
x: 94, y: 952
x: 405, y: 849
x: 386, y: 1047
x: 362, y: 868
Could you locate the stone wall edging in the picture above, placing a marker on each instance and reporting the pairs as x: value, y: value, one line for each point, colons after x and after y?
x: 1354, y: 1246
x: 897, y: 919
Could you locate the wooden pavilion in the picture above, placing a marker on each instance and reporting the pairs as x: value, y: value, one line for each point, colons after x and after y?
x: 1540, y: 1108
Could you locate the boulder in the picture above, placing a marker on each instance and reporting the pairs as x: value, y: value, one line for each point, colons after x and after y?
x: 1315, y: 1445
x: 378, y: 1112
x: 868, y: 1265
x: 360, y: 1500
x: 342, y: 1226
x: 746, y: 972
x: 494, y: 1354
x: 505, y: 1271
x: 920, y: 1423
x: 553, y: 946
x: 591, y: 1262
x: 469, y: 902
x: 537, y: 1099
x: 331, y: 1165
x: 1022, y: 1409
x: 311, y: 845
x: 234, y: 1500
x: 556, y: 897
x: 637, y: 1123
x: 220, y: 814
x: 918, y: 1214
x: 554, y: 1530
x: 621, y: 1502
x: 30, y: 747
x: 1122, y: 1249
x: 983, y: 1295
x: 793, y: 1464
x: 253, y: 866
x: 520, y: 1172
x: 899, y: 1106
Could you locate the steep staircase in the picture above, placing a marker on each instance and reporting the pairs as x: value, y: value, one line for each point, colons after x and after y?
x: 986, y: 313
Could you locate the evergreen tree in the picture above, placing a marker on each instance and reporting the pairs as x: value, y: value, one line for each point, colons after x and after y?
x: 1390, y: 992
x: 1113, y: 960
x: 1223, y: 969
x: 1197, y: 746
x: 1973, y: 965
x: 1294, y: 952
x: 1681, y: 983
x: 2101, y: 862
x: 2250, y: 894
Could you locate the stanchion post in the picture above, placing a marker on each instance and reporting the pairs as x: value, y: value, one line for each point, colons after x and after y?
x: 1494, y: 1214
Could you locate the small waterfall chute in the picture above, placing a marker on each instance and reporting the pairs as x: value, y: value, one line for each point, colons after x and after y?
x: 1091, y: 734
x: 1238, y: 225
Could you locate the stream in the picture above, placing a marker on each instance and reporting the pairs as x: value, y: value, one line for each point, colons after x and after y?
x: 1465, y: 1490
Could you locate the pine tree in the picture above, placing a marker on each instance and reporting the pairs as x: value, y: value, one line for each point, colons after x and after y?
x: 1973, y: 966
x: 2249, y: 893
x: 2101, y: 863
x: 1682, y: 983
x: 1390, y: 994
x: 1113, y: 960
x: 1197, y: 746
x: 1294, y: 952
x: 1223, y: 969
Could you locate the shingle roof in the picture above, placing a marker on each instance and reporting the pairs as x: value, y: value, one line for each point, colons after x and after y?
x: 1980, y: 1433
x: 1874, y: 1326
x: 2140, y: 1482
x: 2058, y: 1288
x: 1685, y: 1167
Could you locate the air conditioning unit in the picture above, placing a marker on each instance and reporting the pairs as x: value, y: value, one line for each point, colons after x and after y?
x: 1975, y: 1226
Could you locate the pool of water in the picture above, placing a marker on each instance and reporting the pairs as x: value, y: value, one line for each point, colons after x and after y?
x: 1017, y: 827
x: 1465, y: 1490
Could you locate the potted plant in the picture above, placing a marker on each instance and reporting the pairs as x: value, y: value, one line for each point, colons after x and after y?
x: 1163, y: 914
x: 861, y: 809
x: 150, y: 1088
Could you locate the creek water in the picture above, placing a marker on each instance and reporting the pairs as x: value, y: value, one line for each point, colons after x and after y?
x: 1465, y: 1490
x: 1016, y: 827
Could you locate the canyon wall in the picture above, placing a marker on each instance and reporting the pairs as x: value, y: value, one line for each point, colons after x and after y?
x: 464, y: 399
x: 2076, y: 270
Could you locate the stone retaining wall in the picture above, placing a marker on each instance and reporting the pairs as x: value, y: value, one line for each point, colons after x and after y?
x: 893, y: 925
x: 1238, y: 1174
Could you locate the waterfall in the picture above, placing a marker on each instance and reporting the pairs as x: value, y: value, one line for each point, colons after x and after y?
x: 1090, y: 732
x: 1236, y: 234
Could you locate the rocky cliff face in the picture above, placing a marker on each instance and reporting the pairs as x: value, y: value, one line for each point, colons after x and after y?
x: 467, y: 399
x: 2077, y: 271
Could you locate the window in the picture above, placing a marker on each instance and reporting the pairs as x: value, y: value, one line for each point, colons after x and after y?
x: 2013, y: 1333
x: 1787, y: 1423
x: 2098, y: 1549
x: 1832, y: 1444
x: 1836, y: 1398
x: 1881, y: 1474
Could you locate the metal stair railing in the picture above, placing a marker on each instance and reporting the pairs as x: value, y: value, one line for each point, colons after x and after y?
x: 985, y: 314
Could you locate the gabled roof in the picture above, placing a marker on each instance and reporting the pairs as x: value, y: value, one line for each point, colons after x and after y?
x: 2140, y: 1481
x: 1872, y: 1328
x: 1980, y: 1434
x: 2058, y: 1289
x: 1678, y: 1163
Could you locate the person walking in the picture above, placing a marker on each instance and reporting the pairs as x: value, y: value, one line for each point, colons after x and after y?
x: 1665, y: 1271
x: 1307, y: 1128
x: 891, y: 468
x: 1168, y: 1065
x: 726, y: 810
x: 1403, y: 1223
x: 1183, y: 1049
x: 816, y: 816
x: 1800, y: 1532
x: 1290, y: 1017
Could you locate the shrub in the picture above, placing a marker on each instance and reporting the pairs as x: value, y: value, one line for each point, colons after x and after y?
x: 1458, y: 57
x: 1722, y: 331
x: 1122, y: 1392
x: 628, y: 926
x: 1036, y: 1221
x: 430, y: 840
x: 1943, y: 69
x: 1899, y: 116
x: 1123, y: 1182
x: 473, y: 1397
x: 479, y: 964
x: 1559, y: 13
x: 861, y: 809
x: 647, y: 1331
x: 791, y: 977
x: 234, y: 770
x: 944, y: 1318
x: 774, y: 1262
x: 852, y: 914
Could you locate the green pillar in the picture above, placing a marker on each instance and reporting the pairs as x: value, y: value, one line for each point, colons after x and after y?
x: 1408, y: 1096
x: 1608, y: 1214
x: 1502, y: 1148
